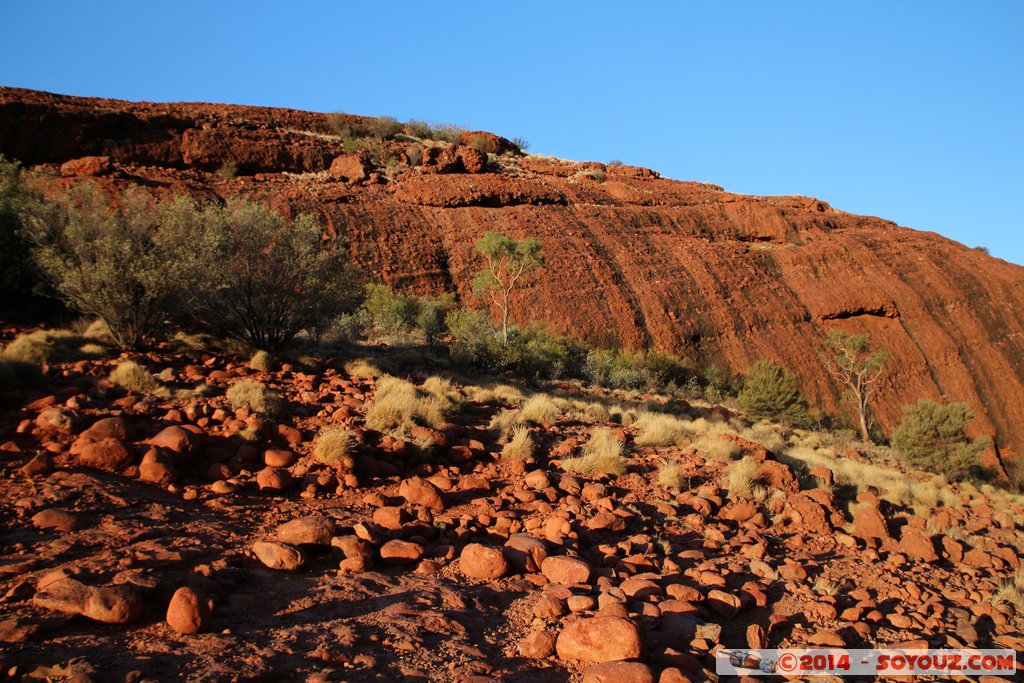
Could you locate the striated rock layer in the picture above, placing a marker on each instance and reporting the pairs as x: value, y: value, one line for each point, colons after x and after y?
x: 633, y: 258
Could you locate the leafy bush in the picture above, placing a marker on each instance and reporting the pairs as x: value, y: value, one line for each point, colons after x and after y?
x: 614, y: 369
x: 932, y: 437
x: 397, y: 315
x: 474, y: 341
x: 393, y: 314
x: 771, y: 391
x: 255, y: 396
x: 262, y: 278
x: 21, y: 289
x: 117, y: 265
x: 431, y: 313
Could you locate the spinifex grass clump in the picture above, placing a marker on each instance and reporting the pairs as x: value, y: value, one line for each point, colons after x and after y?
x: 333, y: 447
x: 520, y: 446
x: 255, y: 396
x: 398, y: 405
x: 601, y: 455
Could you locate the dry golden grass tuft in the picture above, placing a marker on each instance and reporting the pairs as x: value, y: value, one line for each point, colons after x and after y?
x: 132, y: 377
x: 46, y: 346
x: 1011, y: 594
x: 716, y: 448
x: 481, y: 395
x: 512, y: 395
x: 256, y: 396
x: 363, y: 369
x: 601, y: 455
x: 398, y: 405
x: 892, y: 485
x: 262, y: 361
x: 505, y: 422
x: 333, y: 447
x: 670, y: 474
x: 540, y: 409
x: 443, y: 388
x: 520, y: 446
x: 660, y: 429
x: 769, y: 435
x: 250, y: 434
x: 624, y: 416
x: 742, y: 481
x: 99, y: 331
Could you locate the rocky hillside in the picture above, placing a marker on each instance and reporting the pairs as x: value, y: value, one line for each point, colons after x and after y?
x: 634, y: 258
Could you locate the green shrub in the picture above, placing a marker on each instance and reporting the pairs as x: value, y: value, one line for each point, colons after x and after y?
x: 535, y: 353
x: 256, y: 396
x: 431, y: 313
x: 21, y: 289
x: 932, y: 437
x: 118, y: 265
x: 393, y: 314
x: 474, y: 341
x: 426, y: 130
x: 263, y: 279
x: 397, y: 315
x: 771, y: 391
x: 615, y: 369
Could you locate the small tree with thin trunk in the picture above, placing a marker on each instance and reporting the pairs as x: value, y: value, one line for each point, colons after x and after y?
x: 851, y: 361
x: 508, y: 260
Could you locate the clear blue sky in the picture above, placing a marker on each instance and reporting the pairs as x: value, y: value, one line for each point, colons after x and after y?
x: 912, y: 111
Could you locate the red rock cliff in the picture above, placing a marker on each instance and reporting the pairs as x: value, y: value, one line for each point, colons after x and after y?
x: 633, y: 258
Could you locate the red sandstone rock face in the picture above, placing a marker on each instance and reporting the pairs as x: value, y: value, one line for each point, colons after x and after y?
x: 636, y: 259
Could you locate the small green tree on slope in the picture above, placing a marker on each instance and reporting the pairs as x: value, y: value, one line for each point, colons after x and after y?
x: 772, y: 391
x: 932, y: 437
x: 850, y: 360
x: 508, y: 260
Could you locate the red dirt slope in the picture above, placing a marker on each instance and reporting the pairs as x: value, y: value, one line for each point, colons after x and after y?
x: 633, y: 258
